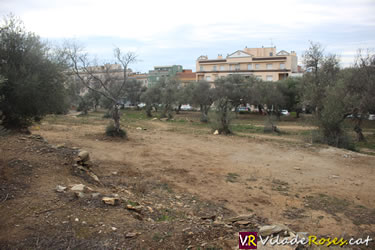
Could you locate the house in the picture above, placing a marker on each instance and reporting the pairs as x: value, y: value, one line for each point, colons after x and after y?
x: 186, y: 76
x: 263, y: 63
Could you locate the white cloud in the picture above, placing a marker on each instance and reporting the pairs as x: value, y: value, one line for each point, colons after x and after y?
x: 171, y: 24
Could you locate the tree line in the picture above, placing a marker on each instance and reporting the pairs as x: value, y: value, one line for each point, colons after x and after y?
x: 38, y: 79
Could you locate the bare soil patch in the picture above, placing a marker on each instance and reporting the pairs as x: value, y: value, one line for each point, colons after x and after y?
x: 183, y: 177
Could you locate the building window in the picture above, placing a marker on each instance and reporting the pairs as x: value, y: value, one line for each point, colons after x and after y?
x: 282, y: 65
x: 208, y: 78
x: 214, y: 68
x: 269, y: 65
x: 230, y: 67
x: 157, y: 78
x: 271, y: 54
x: 201, y: 68
x: 269, y: 78
x: 257, y: 66
x: 249, y: 66
x: 222, y: 67
x: 237, y: 67
x: 258, y: 77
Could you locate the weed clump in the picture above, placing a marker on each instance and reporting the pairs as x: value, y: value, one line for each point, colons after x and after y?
x: 112, y: 131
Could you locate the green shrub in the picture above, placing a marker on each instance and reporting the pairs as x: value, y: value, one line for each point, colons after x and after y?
x: 111, y: 131
x: 339, y: 140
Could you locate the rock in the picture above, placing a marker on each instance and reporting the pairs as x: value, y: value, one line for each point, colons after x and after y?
x: 297, y: 168
x: 136, y: 208
x: 95, y: 195
x: 76, y: 219
x: 247, y: 217
x: 60, y: 189
x: 113, y: 228
x: 164, y: 119
x: 111, y: 201
x: 208, y: 217
x: 138, y: 128
x: 335, y: 176
x: 94, y: 176
x: 78, y: 188
x: 150, y: 209
x: 243, y: 222
x: 114, y: 173
x: 79, y: 195
x: 84, y: 156
x: 218, y: 223
x: 216, y: 132
x: 272, y: 229
x: 154, y: 119
x: 131, y: 234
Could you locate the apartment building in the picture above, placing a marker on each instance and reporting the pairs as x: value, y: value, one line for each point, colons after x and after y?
x: 186, y: 76
x: 263, y: 63
x: 141, y: 77
x: 115, y: 72
x: 162, y: 71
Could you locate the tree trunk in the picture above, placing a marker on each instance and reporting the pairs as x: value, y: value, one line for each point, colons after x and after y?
x: 260, y: 109
x: 178, y: 109
x: 358, y: 130
x: 116, y: 118
x: 204, y: 113
x: 148, y: 110
x: 164, y: 111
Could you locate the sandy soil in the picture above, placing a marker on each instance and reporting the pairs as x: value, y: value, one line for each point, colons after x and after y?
x: 320, y: 190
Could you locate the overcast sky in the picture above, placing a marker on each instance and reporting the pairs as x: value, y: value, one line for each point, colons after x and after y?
x: 178, y: 32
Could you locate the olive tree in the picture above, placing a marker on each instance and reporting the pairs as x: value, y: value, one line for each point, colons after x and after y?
x: 152, y: 98
x: 108, y: 84
x: 361, y: 87
x: 33, y: 76
x: 203, y: 96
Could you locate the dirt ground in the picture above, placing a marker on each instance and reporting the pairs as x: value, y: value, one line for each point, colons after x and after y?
x: 180, y: 179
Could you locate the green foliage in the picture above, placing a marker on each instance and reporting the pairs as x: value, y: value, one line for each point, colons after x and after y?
x: 34, y: 76
x: 331, y: 118
x: 290, y: 90
x: 165, y: 93
x: 325, y: 88
x: 112, y: 131
x: 133, y: 91
x: 222, y: 117
x: 202, y: 95
x: 152, y: 98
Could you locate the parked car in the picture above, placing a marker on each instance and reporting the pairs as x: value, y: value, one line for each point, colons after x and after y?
x: 371, y: 117
x: 141, y: 105
x: 284, y: 112
x: 243, y: 110
x: 186, y: 107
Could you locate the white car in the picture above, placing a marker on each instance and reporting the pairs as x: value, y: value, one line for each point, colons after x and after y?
x: 371, y: 117
x: 284, y: 112
x: 186, y: 107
